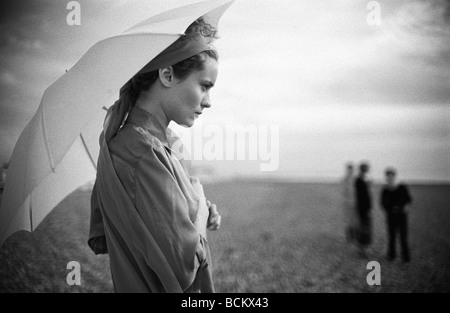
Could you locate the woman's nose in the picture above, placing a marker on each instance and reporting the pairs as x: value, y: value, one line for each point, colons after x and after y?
x: 206, y: 103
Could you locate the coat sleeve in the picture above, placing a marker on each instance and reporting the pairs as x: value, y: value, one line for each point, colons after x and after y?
x: 97, y: 239
x: 163, y: 207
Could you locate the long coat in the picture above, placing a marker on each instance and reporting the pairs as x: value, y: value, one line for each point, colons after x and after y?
x: 145, y: 204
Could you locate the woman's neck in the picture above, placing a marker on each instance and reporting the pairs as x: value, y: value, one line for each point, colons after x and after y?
x: 149, y: 102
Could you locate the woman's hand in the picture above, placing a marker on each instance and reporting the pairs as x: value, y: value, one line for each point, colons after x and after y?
x: 214, y: 218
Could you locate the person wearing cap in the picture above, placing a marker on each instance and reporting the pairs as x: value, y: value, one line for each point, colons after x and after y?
x: 147, y: 212
x: 395, y: 201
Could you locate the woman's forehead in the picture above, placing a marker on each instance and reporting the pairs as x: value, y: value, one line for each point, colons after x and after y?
x: 209, y: 71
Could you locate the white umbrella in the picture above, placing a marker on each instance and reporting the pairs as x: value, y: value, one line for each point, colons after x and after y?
x: 57, y: 151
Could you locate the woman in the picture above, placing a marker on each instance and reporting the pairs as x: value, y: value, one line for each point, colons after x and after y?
x: 147, y: 212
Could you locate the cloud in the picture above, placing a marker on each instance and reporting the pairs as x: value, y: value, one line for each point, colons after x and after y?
x: 420, y: 28
x: 447, y: 12
x: 13, y: 42
x: 8, y: 79
x: 23, y: 24
x: 405, y: 60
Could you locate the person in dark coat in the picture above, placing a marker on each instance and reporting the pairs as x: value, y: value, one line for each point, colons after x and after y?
x: 396, y: 200
x: 350, y: 220
x: 363, y: 208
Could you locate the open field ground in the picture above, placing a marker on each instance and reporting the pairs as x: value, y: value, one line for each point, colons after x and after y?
x: 275, y: 237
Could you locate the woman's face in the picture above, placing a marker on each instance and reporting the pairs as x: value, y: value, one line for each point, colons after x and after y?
x: 191, y: 95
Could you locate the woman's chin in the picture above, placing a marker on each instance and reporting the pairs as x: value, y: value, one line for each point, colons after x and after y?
x: 187, y: 124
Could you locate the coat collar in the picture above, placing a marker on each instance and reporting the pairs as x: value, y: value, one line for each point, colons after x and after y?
x: 154, y: 123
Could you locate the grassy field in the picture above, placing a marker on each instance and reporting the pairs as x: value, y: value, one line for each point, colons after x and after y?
x: 275, y: 237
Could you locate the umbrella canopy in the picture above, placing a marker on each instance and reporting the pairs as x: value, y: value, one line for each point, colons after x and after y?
x: 57, y: 151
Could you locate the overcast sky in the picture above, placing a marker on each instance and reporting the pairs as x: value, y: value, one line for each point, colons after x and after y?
x: 337, y: 87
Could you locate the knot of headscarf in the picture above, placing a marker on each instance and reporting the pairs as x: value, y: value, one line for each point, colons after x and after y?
x: 176, y: 52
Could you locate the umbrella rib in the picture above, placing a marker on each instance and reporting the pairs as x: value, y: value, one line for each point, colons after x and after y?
x: 87, y: 151
x: 31, y: 213
x: 47, y: 147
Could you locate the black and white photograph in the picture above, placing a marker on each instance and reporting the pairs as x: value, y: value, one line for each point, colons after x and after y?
x: 225, y: 146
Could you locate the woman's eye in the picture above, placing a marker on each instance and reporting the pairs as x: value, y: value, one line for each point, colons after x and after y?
x: 206, y: 86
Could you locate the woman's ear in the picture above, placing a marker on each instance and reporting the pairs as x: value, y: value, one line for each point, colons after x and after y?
x: 166, y: 76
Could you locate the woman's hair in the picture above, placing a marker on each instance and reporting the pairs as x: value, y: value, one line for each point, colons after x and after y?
x: 141, y: 82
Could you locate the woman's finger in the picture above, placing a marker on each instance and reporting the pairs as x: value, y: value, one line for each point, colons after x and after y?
x: 212, y: 220
x: 213, y: 209
x: 216, y: 224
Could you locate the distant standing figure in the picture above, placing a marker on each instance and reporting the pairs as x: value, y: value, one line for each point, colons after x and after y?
x: 348, y: 203
x: 395, y: 200
x: 363, y: 208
